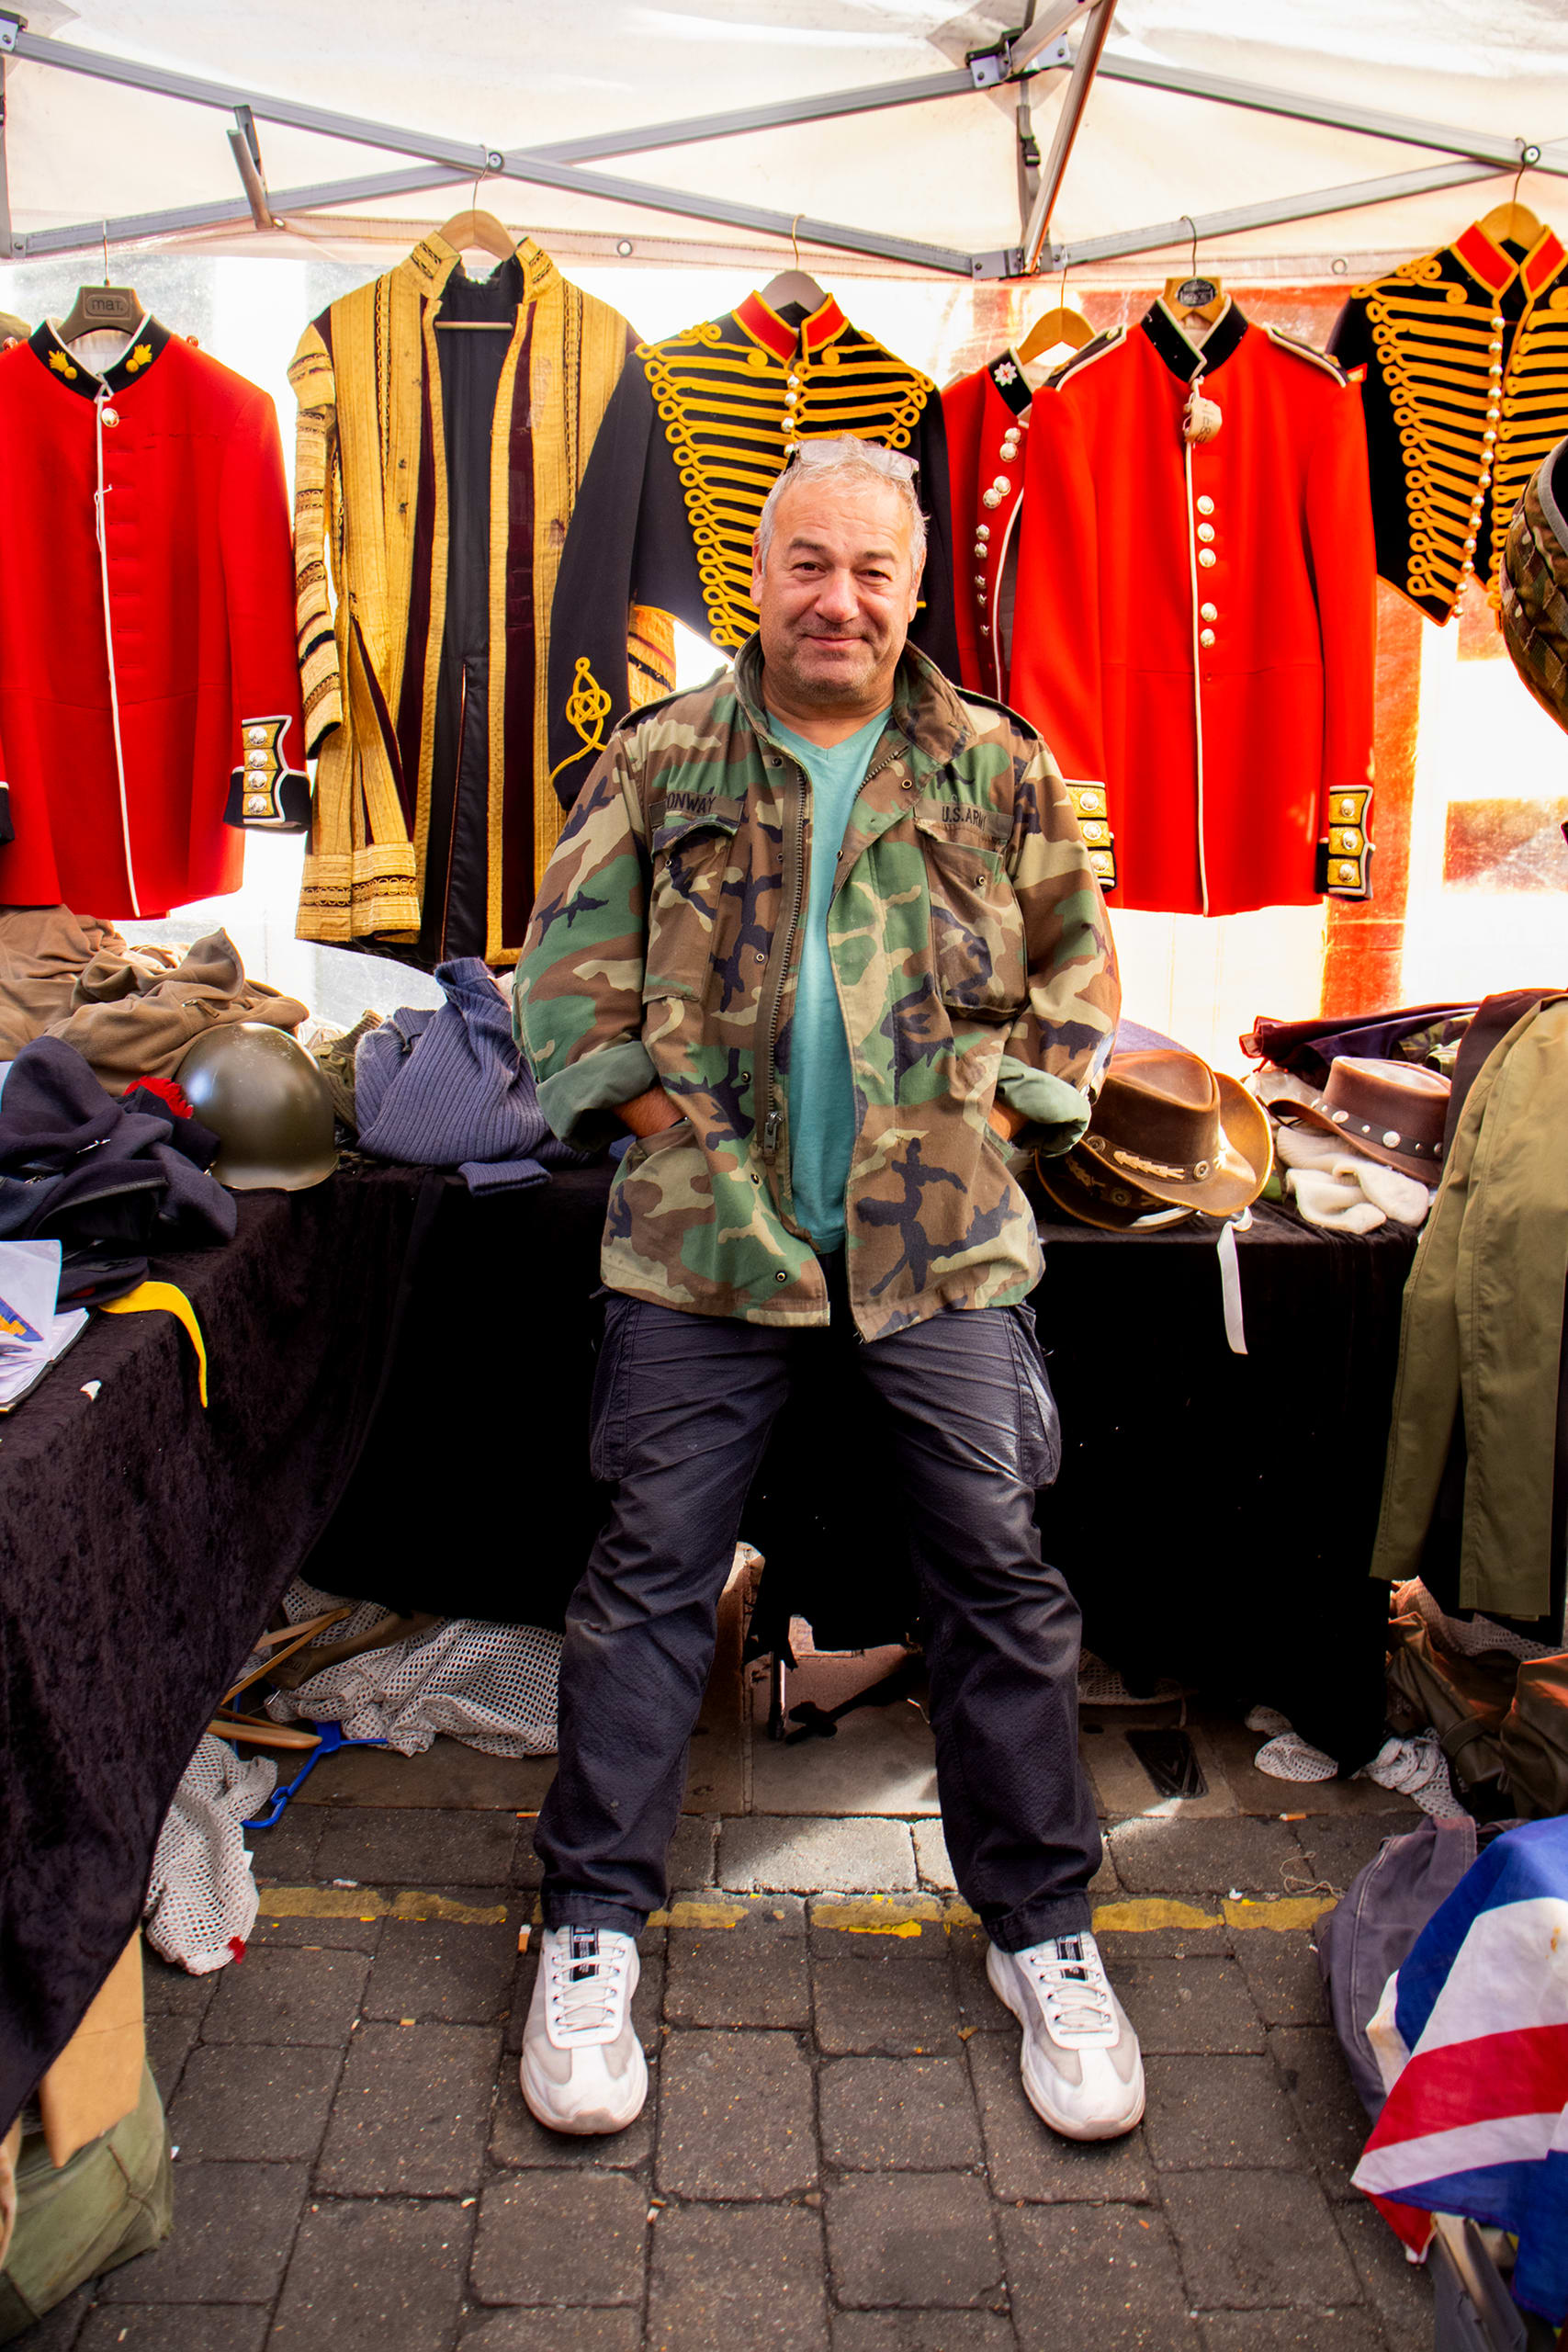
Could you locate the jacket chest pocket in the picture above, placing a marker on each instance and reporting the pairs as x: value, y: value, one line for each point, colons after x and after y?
x: 694, y: 901
x: 978, y: 947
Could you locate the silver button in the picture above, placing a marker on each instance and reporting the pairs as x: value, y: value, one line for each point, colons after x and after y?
x: 1001, y: 485
x: 1205, y: 504
x: 982, y: 530
x: 109, y: 415
x: 1207, y: 558
x: 1208, y: 612
x: 1205, y: 532
x: 981, y: 551
x: 1390, y: 1137
x: 1206, y: 636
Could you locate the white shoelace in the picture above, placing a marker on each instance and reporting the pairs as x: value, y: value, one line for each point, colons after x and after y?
x: 583, y: 1993
x: 1074, y: 1990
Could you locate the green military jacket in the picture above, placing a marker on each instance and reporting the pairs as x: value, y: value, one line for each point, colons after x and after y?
x: 973, y: 958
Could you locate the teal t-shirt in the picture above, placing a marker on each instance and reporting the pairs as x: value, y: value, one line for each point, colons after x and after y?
x: 821, y: 1087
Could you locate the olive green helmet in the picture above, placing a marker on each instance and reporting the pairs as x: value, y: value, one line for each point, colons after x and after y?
x: 267, y: 1102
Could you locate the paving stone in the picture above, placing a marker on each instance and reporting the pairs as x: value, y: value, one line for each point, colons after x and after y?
x: 1335, y: 2125
x: 523, y: 2145
x: 170, y: 2040
x: 1336, y: 1846
x: 1174, y: 1943
x: 288, y: 1996
x: 1251, y: 2240
x: 285, y: 1854
x: 884, y: 1993
x: 1100, y: 2276
x: 564, y: 2237
x: 412, y: 2111
x: 416, y: 1847
x: 434, y: 1968
x: 692, y: 1852
x: 1231, y: 2112
x: 1025, y: 2159
x: 725, y: 2276
x: 305, y: 1933
x: 1187, y: 2005
x: 1399, y: 2291
x: 735, y: 2115
x: 754, y: 1973
x: 896, y: 2114
x: 917, y: 2240
x: 923, y: 2332
x: 978, y: 2006
x: 168, y: 1992
x: 248, y: 2103
x: 931, y: 1856
x: 556, y: 2331
x: 826, y: 1855
x: 233, y: 2227
x: 1165, y: 1857
x: 370, y: 2274
x: 166, y: 2327
x: 1351, y: 2331
x: 1283, y: 1978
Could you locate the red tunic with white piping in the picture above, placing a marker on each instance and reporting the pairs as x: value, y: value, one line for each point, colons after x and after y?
x: 988, y: 416
x: 149, y: 676
x: 1215, y: 663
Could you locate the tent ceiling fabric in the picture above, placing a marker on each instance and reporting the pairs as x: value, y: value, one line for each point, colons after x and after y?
x: 943, y: 172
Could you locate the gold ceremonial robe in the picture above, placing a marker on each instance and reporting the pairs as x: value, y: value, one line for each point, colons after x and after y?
x: 436, y: 474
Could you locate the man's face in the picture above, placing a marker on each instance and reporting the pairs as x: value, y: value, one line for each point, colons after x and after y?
x: 837, y: 592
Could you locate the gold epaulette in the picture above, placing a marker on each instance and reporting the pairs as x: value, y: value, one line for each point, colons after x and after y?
x: 1324, y: 359
x: 1109, y: 341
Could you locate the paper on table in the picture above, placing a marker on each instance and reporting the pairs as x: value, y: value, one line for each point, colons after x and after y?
x: 31, y: 1334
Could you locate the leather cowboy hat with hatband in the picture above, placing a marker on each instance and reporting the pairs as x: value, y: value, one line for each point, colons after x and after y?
x: 1170, y: 1136
x: 1393, y: 1111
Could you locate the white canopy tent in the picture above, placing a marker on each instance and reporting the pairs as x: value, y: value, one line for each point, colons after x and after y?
x: 652, y: 129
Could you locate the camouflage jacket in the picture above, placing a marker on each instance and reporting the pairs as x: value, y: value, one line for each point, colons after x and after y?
x: 969, y: 943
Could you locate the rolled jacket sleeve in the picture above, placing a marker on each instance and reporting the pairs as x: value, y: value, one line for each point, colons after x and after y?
x: 1058, y: 1046
x: 577, y: 1007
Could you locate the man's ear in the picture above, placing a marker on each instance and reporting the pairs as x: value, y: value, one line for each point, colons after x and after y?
x: 756, y: 567
x: 918, y: 573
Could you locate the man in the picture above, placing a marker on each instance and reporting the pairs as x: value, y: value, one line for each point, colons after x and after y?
x: 825, y: 937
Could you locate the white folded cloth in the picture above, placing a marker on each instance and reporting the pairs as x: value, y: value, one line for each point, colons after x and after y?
x: 1343, y: 1189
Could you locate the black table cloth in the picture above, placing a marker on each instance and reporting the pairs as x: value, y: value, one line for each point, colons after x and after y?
x: 144, y: 1542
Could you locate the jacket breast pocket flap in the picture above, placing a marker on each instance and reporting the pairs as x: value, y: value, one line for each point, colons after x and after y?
x: 694, y: 900
x: 978, y: 943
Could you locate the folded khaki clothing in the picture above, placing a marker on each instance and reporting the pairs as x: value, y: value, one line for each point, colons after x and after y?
x: 136, y: 1012
x: 43, y: 953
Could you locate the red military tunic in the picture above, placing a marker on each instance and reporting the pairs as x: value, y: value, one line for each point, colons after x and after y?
x: 1228, y: 701
x: 988, y: 416
x: 149, y: 675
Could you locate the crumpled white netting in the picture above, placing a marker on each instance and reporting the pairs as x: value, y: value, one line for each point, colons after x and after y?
x: 202, y: 1896
x: 1470, y: 1637
x: 493, y: 1687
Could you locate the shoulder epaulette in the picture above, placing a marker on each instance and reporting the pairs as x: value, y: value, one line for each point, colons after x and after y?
x: 1084, y: 358
x: 967, y: 696
x: 1299, y: 350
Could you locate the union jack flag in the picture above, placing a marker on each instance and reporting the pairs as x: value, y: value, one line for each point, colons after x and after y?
x: 1473, y: 2039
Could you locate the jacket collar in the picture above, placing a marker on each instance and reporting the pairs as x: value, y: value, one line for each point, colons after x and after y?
x: 433, y: 260
x: 775, y: 334
x: 1183, y: 358
x: 145, y: 345
x: 926, y: 711
x: 1010, y: 384
x: 1496, y: 267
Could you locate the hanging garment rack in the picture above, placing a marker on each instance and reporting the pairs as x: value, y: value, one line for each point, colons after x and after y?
x: 1013, y: 60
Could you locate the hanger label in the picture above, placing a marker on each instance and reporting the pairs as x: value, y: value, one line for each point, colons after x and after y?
x: 1195, y: 292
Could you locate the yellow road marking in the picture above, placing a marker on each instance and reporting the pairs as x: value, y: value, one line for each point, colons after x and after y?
x: 366, y: 1903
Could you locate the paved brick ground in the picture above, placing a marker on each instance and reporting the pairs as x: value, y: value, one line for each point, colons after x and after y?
x: 836, y: 2151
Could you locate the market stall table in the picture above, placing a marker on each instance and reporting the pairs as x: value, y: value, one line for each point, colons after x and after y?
x: 145, y: 1541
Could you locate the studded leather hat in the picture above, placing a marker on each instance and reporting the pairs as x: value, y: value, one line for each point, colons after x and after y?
x: 1393, y: 1111
x: 1170, y: 1136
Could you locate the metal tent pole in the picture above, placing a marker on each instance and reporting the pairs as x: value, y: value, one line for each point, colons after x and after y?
x: 1076, y: 98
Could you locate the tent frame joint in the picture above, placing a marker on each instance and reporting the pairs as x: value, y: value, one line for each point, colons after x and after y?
x: 10, y: 26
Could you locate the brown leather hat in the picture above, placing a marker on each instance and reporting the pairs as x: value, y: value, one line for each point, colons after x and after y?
x: 1393, y: 1111
x: 1168, y: 1134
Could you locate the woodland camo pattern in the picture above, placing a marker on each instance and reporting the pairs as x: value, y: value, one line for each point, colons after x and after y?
x: 1535, y: 599
x: 973, y: 958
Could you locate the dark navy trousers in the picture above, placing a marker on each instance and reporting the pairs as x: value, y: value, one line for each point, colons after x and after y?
x: 959, y: 1428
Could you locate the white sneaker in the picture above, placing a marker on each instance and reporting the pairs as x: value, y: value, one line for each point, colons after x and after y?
x: 1083, y: 2073
x: 582, y: 2064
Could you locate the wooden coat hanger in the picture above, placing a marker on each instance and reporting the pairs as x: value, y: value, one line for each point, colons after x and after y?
x: 1196, y: 298
x: 1512, y: 223
x: 464, y: 232
x: 1060, y: 325
x: 102, y: 309
x: 794, y: 285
